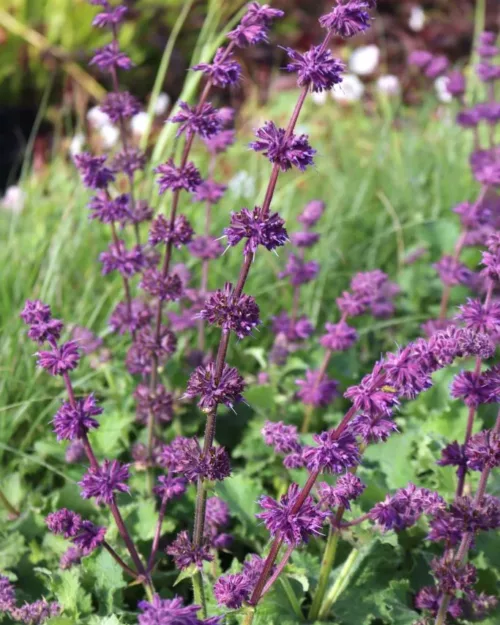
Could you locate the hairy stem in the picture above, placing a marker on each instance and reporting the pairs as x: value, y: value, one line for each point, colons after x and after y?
x: 116, y: 557
x: 199, y: 592
x: 156, y: 539
x: 339, y: 584
x: 324, y: 574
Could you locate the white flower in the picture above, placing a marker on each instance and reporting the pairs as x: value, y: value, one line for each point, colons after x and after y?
x: 417, y: 19
x: 441, y: 88
x: 388, y: 84
x: 77, y: 143
x: 109, y: 135
x: 364, y: 60
x: 351, y: 89
x: 14, y: 199
x: 242, y: 185
x: 139, y: 122
x: 319, y: 97
x: 161, y: 104
x: 97, y: 118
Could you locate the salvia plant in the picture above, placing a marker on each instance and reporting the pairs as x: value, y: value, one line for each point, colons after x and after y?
x: 322, y: 477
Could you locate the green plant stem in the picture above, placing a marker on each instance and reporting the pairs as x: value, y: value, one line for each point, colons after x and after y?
x: 156, y: 539
x: 199, y: 592
x: 292, y: 599
x: 250, y: 613
x: 339, y: 584
x: 324, y: 574
x: 12, y: 510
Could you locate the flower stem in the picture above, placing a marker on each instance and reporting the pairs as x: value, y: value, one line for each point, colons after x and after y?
x: 339, y: 585
x: 116, y: 557
x: 156, y: 539
x: 324, y: 574
x: 279, y: 570
x: 12, y: 510
x: 199, y: 592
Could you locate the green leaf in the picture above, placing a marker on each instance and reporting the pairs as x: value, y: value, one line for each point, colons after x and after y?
x: 187, y: 573
x: 108, y: 577
x: 394, y: 603
x: 394, y: 458
x: 241, y: 494
x: 106, y: 620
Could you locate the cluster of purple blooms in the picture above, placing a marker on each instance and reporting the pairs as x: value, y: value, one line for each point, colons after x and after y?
x: 300, y: 513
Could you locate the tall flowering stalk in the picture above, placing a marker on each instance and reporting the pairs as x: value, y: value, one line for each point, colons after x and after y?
x: 73, y: 421
x: 480, y: 218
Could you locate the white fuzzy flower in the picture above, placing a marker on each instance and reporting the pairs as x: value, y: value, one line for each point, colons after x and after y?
x: 364, y: 60
x: 388, y: 84
x: 109, y: 135
x: 441, y: 89
x: 351, y: 89
x: 77, y: 143
x: 417, y: 19
x: 97, y: 118
x: 138, y: 123
x: 14, y: 199
x: 162, y: 103
x: 242, y: 185
x: 319, y: 97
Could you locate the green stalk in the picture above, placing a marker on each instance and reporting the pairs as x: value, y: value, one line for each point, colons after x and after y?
x: 162, y: 69
x: 324, y: 574
x: 339, y: 585
x: 199, y: 592
x: 294, y: 602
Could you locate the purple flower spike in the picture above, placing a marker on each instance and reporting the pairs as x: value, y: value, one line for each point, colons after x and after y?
x: 74, y: 422
x: 479, y: 318
x: 119, y: 106
x: 456, y: 84
x: 232, y: 591
x: 206, y: 123
x: 175, y: 178
x: 473, y: 389
x: 239, y: 315
x: 158, y: 402
x: 119, y: 258
x: 108, y: 210
x: 7, y: 594
x: 332, y: 454
x: 260, y: 14
x: 437, y: 66
x: 178, y: 235
x: 286, y: 151
x: 300, y: 271
x: 407, y: 372
x: 220, y: 142
x: 452, y: 272
x: 284, y: 438
x: 89, y: 537
x: 373, y: 429
x: 420, y: 58
x: 35, y: 311
x: 317, y: 68
x: 61, y: 359
x: 347, y: 19
x: 104, y: 481
x: 168, y: 488
x: 184, y: 552
x: 93, y: 171
x: 348, y: 488
x: 122, y: 322
x: 165, y: 288
x: 373, y: 395
x: 339, y: 337
x: 254, y: 25
x: 171, y: 612
x: 206, y: 248
x: 223, y: 71
x: 110, y: 57
x: 266, y: 230
x: 483, y: 450
x: 64, y: 522
x: 71, y: 557
x: 35, y: 613
x: 305, y: 239
x: 351, y: 305
x: 129, y: 161
x: 110, y: 17
x: 315, y: 392
x: 404, y: 508
x: 312, y: 213
x: 43, y: 331
x: 227, y: 391
x: 209, y: 191
x: 294, y: 527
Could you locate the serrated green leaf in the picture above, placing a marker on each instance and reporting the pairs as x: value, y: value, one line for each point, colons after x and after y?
x: 108, y: 577
x: 186, y: 573
x: 394, y: 603
x: 241, y: 494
